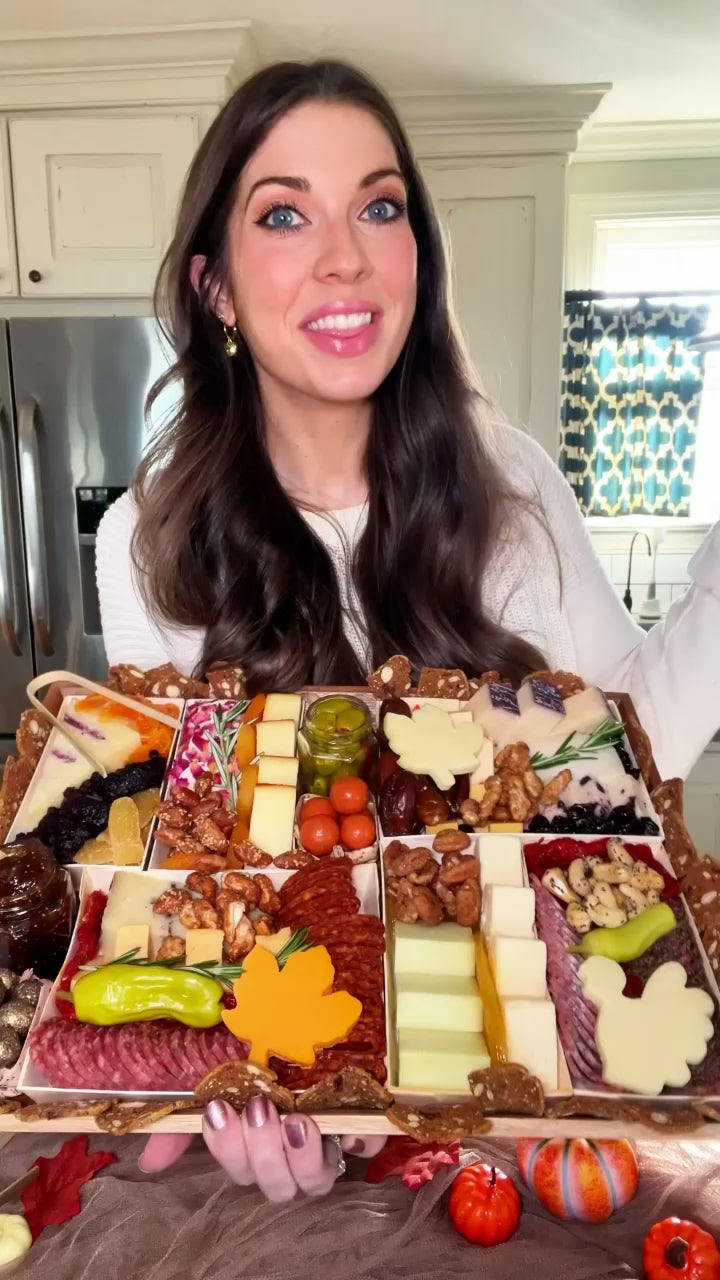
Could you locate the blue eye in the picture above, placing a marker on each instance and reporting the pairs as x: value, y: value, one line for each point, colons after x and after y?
x: 281, y: 217
x: 384, y: 210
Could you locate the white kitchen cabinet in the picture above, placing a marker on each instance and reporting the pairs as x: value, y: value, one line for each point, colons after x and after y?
x: 95, y: 199
x: 8, y: 277
x: 505, y: 228
x: 702, y: 802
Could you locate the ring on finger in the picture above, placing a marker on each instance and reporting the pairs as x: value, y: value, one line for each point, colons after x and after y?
x: 340, y: 1155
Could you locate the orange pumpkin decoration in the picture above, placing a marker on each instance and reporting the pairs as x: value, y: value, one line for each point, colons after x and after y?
x: 576, y: 1178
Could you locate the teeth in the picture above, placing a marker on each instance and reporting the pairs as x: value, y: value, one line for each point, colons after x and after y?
x: 354, y: 321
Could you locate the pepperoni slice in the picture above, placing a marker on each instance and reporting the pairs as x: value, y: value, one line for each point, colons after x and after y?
x: 191, y: 1044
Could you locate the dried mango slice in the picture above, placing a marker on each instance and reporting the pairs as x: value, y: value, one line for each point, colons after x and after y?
x: 126, y: 847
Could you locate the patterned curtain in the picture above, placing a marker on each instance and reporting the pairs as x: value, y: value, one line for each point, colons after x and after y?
x: 630, y: 400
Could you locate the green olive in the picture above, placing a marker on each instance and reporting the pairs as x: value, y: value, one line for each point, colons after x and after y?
x: 319, y: 786
x: 351, y: 720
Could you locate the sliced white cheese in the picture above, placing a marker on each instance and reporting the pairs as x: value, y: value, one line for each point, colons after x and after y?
x: 495, y: 707
x: 276, y: 737
x: 272, y: 818
x: 447, y: 950
x: 501, y: 860
x: 283, y: 706
x: 278, y: 771
x: 519, y: 967
x: 130, y: 902
x: 542, y: 711
x: 508, y: 911
x: 531, y: 1034
x: 440, y: 1061
x: 430, y: 1002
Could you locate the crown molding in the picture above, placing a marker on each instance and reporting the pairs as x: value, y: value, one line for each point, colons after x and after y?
x: 125, y: 67
x: 649, y: 140
x: 498, y: 122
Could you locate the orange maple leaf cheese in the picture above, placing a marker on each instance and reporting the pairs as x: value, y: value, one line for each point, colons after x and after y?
x: 290, y: 1012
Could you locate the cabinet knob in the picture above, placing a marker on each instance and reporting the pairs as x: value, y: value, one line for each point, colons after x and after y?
x: 35, y: 276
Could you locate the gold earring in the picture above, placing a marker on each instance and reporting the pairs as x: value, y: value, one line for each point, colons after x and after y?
x: 231, y: 340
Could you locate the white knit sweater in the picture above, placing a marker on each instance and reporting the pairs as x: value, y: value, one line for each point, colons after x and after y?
x: 570, y: 612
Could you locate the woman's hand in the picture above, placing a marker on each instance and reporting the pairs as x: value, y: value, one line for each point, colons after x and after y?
x: 282, y: 1156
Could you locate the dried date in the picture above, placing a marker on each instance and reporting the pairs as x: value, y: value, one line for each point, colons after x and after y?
x: 397, y: 804
x: 430, y: 804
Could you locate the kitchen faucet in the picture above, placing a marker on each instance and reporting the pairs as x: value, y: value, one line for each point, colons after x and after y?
x: 627, y: 598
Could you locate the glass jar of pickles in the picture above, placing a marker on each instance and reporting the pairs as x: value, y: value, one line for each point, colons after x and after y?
x: 336, y: 741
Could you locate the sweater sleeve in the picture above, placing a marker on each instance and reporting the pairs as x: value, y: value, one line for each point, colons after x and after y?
x: 672, y: 673
x: 129, y: 634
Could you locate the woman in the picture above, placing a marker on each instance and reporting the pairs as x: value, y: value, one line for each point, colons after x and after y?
x: 332, y: 490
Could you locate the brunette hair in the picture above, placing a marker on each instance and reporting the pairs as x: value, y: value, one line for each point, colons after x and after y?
x: 220, y: 545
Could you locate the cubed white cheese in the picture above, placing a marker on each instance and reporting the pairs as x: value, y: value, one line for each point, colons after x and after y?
x: 276, y: 737
x: 584, y: 711
x: 531, y: 1034
x: 272, y: 819
x: 283, y: 706
x: 440, y: 1061
x: 445, y: 949
x: 203, y: 946
x: 278, y: 771
x: 501, y: 860
x: 428, y: 1002
x: 508, y: 911
x: 519, y: 967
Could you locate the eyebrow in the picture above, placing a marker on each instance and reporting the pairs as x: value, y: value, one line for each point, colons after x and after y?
x: 302, y: 184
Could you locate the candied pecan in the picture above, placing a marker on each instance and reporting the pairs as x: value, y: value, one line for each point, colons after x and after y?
x: 553, y: 789
x: 190, y: 845
x: 293, y: 861
x: 171, y: 949
x: 451, y: 842
x: 169, y: 836
x: 468, y: 900
x: 457, y: 871
x: 427, y: 874
x: 447, y: 897
x: 209, y: 834
x: 247, y: 854
x: 204, y: 785
x: 428, y: 905
x: 470, y: 813
x: 263, y: 926
x: 224, y: 820
x: 198, y: 913
x: 493, y: 791
x: 210, y: 862
x: 405, y: 906
x: 239, y: 932
x: 245, y: 886
x: 517, y: 799
x: 515, y: 757
x: 184, y: 797
x: 173, y: 815
x: 399, y: 859
x: 532, y: 784
x: 171, y: 902
x: 269, y: 900
x: 202, y: 884
x: 501, y: 813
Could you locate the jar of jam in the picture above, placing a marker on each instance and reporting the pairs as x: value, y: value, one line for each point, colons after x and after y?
x: 336, y: 741
x: 37, y: 909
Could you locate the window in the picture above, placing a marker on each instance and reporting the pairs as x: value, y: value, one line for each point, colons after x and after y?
x: 651, y: 252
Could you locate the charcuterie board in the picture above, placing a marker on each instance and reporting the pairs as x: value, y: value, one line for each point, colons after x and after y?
x: 442, y: 907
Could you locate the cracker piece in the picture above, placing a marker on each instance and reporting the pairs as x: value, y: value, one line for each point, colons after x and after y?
x: 566, y: 682
x: 350, y: 1087
x: 509, y: 1089
x: 640, y: 743
x: 708, y: 1111
x: 236, y: 1082
x: 129, y: 680
x: 8, y: 1106
x: 392, y: 679
x: 441, y: 682
x: 167, y: 682
x: 590, y: 1108
x: 125, y: 1117
x: 76, y: 1109
x: 443, y: 1124
x: 668, y: 801
x: 670, y: 1119
x: 226, y: 682
x: 15, y: 782
x: 32, y: 733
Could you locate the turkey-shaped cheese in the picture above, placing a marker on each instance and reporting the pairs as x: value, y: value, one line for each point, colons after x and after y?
x: 431, y: 743
x: 650, y: 1042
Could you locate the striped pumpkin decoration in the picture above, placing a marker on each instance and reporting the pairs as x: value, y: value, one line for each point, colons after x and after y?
x: 576, y: 1178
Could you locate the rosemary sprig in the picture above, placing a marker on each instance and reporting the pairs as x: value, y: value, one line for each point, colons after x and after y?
x: 221, y: 740
x: 297, y: 941
x: 224, y: 973
x: 607, y: 734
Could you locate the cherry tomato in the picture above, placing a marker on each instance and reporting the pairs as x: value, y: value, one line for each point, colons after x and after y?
x: 317, y: 807
x: 357, y: 831
x: 349, y: 795
x: 319, y: 834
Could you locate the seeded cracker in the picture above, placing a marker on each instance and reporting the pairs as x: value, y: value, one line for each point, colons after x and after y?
x: 392, y: 678
x: 32, y: 733
x: 8, y: 1106
x: 566, y: 682
x: 129, y: 680
x: 509, y: 1089
x: 446, y: 1124
x: 237, y: 1082
x: 81, y: 1107
x: 668, y: 801
x: 591, y: 1109
x: 670, y: 1119
x: 351, y: 1087
x: 226, y: 682
x: 439, y: 682
x: 708, y: 1111
x: 124, y: 1118
x: 640, y: 743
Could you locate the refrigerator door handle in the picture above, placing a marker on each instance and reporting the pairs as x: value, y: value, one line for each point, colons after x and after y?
x: 34, y: 525
x: 9, y: 588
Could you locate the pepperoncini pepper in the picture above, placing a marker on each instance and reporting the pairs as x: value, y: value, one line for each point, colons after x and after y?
x: 117, y: 993
x: 631, y: 940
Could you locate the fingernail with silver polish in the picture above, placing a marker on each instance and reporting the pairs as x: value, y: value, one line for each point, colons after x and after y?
x: 257, y: 1111
x: 296, y: 1130
x: 217, y: 1114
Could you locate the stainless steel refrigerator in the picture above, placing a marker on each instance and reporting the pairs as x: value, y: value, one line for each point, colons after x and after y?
x: 72, y: 430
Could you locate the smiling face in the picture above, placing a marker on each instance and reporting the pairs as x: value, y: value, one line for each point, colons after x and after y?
x: 322, y: 259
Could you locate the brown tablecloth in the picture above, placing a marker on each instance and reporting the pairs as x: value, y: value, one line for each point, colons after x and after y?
x: 192, y: 1224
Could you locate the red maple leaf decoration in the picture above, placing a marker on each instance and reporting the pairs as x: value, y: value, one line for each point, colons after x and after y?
x: 413, y: 1162
x: 54, y: 1196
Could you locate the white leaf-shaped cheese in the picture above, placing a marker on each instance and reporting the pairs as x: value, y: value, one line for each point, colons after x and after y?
x: 651, y: 1042
x: 430, y: 743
